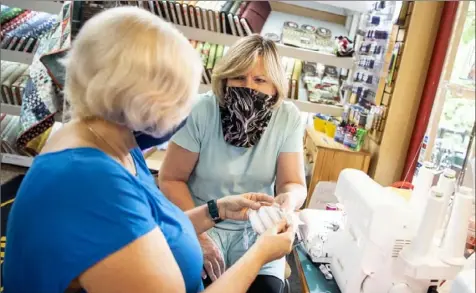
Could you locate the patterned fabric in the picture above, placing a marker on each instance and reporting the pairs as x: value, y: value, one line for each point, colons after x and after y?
x: 34, y: 26
x: 16, y: 22
x: 42, y: 98
x: 245, y: 114
x: 9, y: 14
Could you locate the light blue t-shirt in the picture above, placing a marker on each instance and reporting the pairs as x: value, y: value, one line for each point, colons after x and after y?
x: 223, y: 169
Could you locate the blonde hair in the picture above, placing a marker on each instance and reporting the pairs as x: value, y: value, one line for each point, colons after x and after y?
x: 127, y: 66
x: 242, y: 56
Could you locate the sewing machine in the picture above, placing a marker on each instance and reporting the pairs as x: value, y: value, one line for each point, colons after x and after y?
x: 372, y: 253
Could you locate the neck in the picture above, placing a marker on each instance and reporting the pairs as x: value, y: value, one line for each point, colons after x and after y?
x: 113, y: 135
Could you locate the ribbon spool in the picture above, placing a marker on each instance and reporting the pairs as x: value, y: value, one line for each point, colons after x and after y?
x: 291, y: 24
x: 272, y: 36
x: 309, y: 28
x: 324, y: 33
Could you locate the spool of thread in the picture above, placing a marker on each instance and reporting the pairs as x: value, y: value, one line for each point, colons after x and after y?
x: 423, y: 183
x: 423, y: 241
x: 454, y: 242
x: 447, y: 184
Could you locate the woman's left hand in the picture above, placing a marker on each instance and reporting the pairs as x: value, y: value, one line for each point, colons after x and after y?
x: 234, y: 207
x: 286, y: 201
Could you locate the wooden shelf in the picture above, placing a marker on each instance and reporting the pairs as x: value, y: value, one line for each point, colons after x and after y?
x: 42, y: 6
x: 15, y: 110
x: 10, y: 109
x: 16, y: 160
x: 16, y: 56
x: 293, y: 52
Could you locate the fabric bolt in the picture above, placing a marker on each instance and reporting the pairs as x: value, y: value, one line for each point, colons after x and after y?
x: 7, y: 83
x: 42, y: 98
x: 29, y: 24
x: 245, y: 114
x: 8, y: 68
x: 35, y: 26
x: 10, y: 133
x: 9, y: 14
x: 18, y: 87
x: 16, y: 22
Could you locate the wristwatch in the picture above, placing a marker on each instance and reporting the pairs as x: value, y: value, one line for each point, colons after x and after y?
x: 213, y: 210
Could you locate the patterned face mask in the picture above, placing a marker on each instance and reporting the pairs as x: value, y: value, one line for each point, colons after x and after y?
x: 245, y: 114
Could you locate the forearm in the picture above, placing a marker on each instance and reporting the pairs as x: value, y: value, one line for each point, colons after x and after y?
x: 239, y: 277
x: 201, y: 219
x: 178, y: 193
x: 298, y: 192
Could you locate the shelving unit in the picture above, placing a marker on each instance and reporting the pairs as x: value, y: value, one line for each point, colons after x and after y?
x: 16, y: 56
x: 288, y: 51
x: 16, y: 160
x: 274, y: 24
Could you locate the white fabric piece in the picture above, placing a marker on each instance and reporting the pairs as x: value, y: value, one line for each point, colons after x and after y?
x: 266, y: 217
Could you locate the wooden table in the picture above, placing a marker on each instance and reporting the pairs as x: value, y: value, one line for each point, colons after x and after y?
x: 328, y: 158
x: 154, y: 158
x: 312, y: 280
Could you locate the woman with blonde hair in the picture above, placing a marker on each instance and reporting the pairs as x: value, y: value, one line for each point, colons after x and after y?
x: 88, y: 215
x: 241, y: 137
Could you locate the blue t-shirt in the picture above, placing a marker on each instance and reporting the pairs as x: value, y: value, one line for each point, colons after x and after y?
x: 77, y: 206
x: 223, y: 169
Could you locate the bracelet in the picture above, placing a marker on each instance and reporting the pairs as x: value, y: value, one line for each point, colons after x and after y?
x: 213, y: 211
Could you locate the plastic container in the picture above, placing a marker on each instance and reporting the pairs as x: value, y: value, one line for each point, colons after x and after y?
x: 330, y: 129
x: 320, y: 124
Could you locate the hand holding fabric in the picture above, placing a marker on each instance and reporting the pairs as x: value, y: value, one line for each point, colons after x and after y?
x: 286, y: 201
x: 234, y: 207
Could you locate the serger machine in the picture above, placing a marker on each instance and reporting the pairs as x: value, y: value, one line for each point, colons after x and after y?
x: 388, y: 245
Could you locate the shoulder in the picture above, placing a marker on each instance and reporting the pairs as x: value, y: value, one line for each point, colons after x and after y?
x: 288, y: 112
x: 205, y: 103
x: 83, y: 172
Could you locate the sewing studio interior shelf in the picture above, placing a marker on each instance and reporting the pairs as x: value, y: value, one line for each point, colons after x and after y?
x: 41, y: 6
x: 16, y: 56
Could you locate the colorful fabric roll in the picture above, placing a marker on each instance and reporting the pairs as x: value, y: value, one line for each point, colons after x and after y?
x: 9, y: 14
x: 16, y: 22
x: 42, y: 98
x: 29, y: 25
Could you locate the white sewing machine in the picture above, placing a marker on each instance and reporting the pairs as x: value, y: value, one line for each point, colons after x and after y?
x: 366, y: 254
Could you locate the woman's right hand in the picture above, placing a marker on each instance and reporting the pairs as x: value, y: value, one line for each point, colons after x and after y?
x: 212, y: 257
x: 276, y: 242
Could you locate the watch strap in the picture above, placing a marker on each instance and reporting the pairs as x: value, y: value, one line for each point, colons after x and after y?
x: 213, y: 211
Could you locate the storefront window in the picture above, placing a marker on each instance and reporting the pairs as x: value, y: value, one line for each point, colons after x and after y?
x: 452, y: 126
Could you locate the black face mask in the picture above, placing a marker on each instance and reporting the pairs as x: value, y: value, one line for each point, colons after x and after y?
x: 146, y: 141
x: 245, y: 114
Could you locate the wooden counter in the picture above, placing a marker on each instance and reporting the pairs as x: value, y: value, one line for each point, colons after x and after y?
x: 154, y: 159
x: 328, y: 158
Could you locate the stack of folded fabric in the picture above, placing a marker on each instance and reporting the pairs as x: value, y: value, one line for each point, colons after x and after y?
x: 322, y: 83
x: 10, y: 129
x: 21, y: 29
x: 239, y: 18
x: 13, y: 82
